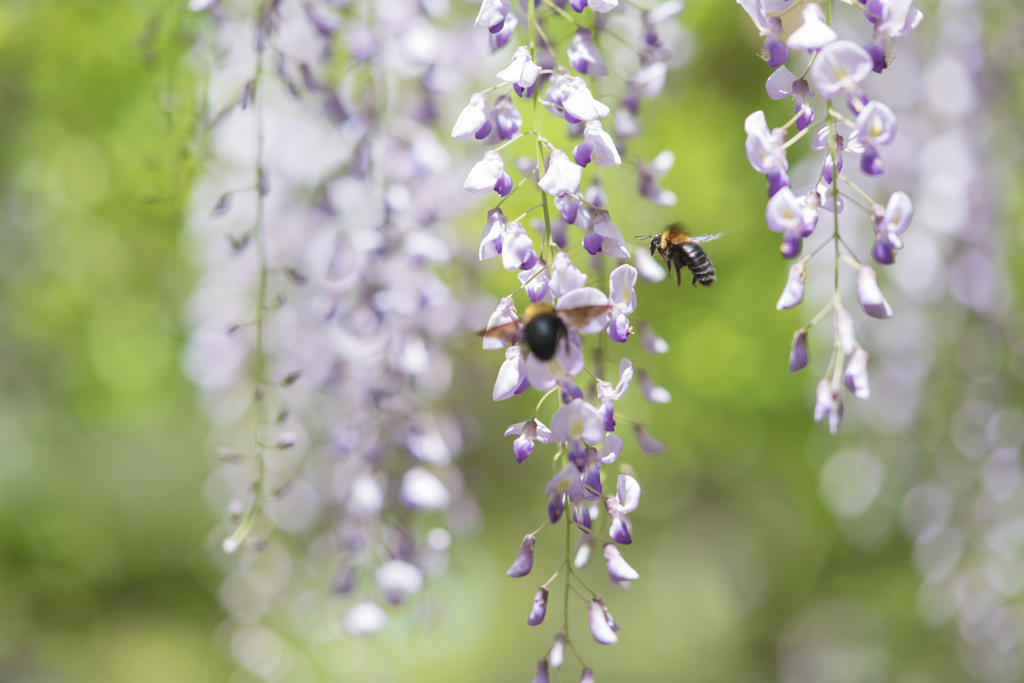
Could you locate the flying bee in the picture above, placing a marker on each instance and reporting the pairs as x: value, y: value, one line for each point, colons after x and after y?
x: 682, y: 251
x: 542, y: 326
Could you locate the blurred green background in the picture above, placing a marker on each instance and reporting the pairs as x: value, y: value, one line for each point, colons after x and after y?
x: 104, y: 573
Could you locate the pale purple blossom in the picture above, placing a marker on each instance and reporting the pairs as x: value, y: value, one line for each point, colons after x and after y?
x: 793, y: 293
x: 839, y: 67
x: 535, y: 281
x: 782, y: 84
x: 876, y: 127
x: 473, y: 120
x: 528, y: 432
x: 489, y: 174
x: 626, y: 500
x: 889, y: 225
x: 651, y: 341
x: 507, y: 119
x: 562, y: 177
x: 492, y: 14
x: 559, y: 370
x: 565, y: 277
x: 844, y: 331
x: 600, y: 629
x: 602, y: 6
x: 649, y: 175
x: 898, y: 18
x: 622, y: 299
x: 522, y: 73
x: 499, y: 39
x: 584, y: 56
x: 597, y: 146
x: 775, y: 51
x: 619, y: 570
x: 870, y: 295
x: 856, y: 376
x: 577, y: 424
x: 540, y: 607
x: 793, y: 218
x: 798, y: 353
x: 578, y: 104
x: 814, y: 33
x: 517, y: 251
x: 504, y: 313
x: 423, y: 491
x: 490, y: 240
x: 606, y: 237
x: 541, y: 675
x: 607, y: 394
x: 398, y: 580
x: 557, y: 654
x: 567, y: 484
x: 652, y: 392
x: 765, y: 151
x: 828, y: 403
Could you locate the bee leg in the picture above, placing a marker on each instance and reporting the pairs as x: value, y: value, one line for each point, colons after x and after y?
x: 694, y: 283
x: 679, y: 277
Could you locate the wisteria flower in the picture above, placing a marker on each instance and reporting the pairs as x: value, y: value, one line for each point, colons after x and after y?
x: 814, y: 33
x: 782, y: 84
x: 765, y: 151
x: 856, y: 376
x: 607, y: 394
x: 798, y: 354
x: 583, y: 54
x: 489, y: 174
x: 398, y: 580
x: 499, y: 39
x: 535, y: 281
x: 490, y: 240
x: 507, y: 118
x: 511, y: 376
x: 775, y: 51
x: 793, y: 218
x: 649, y: 175
x: 565, y: 277
x: 602, y: 6
x: 619, y: 571
x: 577, y: 424
x: 626, y: 500
x: 622, y: 298
x: 600, y: 629
x: 793, y: 294
x: 540, y: 607
x: 503, y: 314
x: 474, y: 119
x: 898, y: 18
x: 828, y: 403
x: 567, y: 484
x: 528, y: 431
x: 517, y: 248
x: 562, y: 177
x: 522, y: 73
x: 606, y: 237
x: 844, y: 331
x: 876, y: 127
x: 839, y: 67
x: 578, y: 104
x: 597, y: 146
x: 889, y: 225
x: 492, y: 14
x: 869, y: 294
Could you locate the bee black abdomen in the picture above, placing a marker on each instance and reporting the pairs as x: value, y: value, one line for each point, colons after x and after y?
x: 542, y: 334
x: 699, y: 263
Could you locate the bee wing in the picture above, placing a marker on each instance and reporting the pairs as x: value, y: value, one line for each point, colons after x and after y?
x: 579, y: 317
x: 700, y: 239
x: 505, y: 334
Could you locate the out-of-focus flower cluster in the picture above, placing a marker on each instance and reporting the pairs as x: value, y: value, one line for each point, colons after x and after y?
x: 319, y: 319
x: 545, y: 344
x: 841, y: 119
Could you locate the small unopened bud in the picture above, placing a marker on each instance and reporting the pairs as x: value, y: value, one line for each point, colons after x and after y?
x: 587, y: 676
x: 844, y: 328
x: 648, y: 444
x: 557, y: 654
x: 856, y: 376
x: 540, y: 607
x: 583, y: 552
x: 798, y: 353
x: 542, y: 672
x: 524, y: 561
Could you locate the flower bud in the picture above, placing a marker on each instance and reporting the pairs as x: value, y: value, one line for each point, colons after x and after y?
x: 798, y: 353
x: 540, y: 607
x: 618, y: 569
x: 844, y: 328
x: 587, y: 676
x: 524, y: 561
x: 557, y: 655
x: 542, y: 667
x: 856, y: 375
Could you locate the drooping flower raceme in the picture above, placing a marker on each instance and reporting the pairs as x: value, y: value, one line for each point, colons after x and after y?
x: 320, y: 319
x: 849, y: 123
x: 548, y: 340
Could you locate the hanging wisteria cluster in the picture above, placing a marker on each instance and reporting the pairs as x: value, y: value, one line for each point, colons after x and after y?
x: 319, y: 319
x: 544, y: 346
x: 840, y: 119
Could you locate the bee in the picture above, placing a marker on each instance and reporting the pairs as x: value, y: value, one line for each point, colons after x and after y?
x: 542, y: 326
x: 682, y: 251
